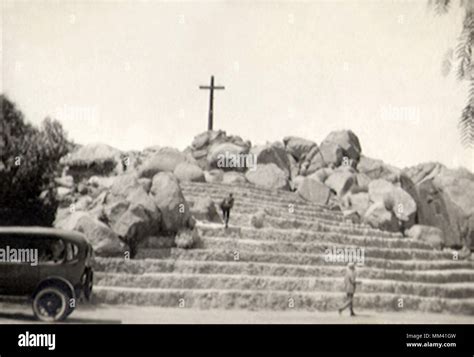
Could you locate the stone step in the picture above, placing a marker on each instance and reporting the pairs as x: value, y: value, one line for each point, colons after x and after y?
x: 290, y: 284
x: 258, y: 198
x: 280, y: 217
x: 250, y: 207
x: 195, y: 263
x: 238, y: 219
x: 243, y: 218
x: 247, y: 190
x: 244, y: 203
x: 273, y: 246
x: 295, y: 258
x: 305, y: 236
x: 297, y: 218
x: 276, y: 300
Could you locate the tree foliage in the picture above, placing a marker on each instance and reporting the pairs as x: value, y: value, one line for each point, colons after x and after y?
x: 461, y: 57
x: 29, y: 161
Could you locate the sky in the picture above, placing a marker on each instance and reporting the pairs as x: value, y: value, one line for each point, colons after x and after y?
x: 127, y: 73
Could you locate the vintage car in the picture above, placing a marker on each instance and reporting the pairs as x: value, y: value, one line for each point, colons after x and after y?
x: 51, y: 266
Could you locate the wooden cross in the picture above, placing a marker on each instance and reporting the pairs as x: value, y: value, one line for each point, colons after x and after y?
x: 211, y: 101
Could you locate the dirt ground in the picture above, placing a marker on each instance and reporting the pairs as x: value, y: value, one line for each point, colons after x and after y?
x: 14, y: 313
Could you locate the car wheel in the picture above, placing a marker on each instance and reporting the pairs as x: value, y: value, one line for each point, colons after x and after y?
x: 51, y: 304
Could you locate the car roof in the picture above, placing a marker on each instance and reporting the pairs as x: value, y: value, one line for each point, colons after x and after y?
x: 74, y: 237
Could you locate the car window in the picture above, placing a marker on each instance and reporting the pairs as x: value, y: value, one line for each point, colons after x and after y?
x: 17, y: 249
x: 31, y: 248
x: 52, y: 250
x: 72, y: 251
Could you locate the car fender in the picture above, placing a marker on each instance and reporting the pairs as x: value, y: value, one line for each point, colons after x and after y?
x: 57, y: 281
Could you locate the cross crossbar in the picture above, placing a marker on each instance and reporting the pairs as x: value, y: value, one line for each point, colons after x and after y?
x: 211, y: 101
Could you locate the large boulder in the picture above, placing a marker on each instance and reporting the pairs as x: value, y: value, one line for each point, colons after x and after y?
x: 351, y: 216
x: 187, y: 172
x: 101, y: 182
x: 93, y: 159
x: 298, y: 147
x: 446, y: 201
x: 234, y: 178
x: 130, y: 210
x: 204, y: 209
x: 314, y: 191
x: 83, y: 203
x: 376, y: 169
x: 163, y: 160
x: 214, y: 176
x: 203, y: 139
x: 328, y: 154
x: 405, y: 182
x: 458, y: 185
x: 131, y: 160
x: 322, y: 174
x: 428, y: 234
x: 211, y: 137
x: 359, y: 202
x: 363, y: 181
x: 229, y: 156
x: 204, y: 142
x: 340, y: 181
x: 64, y: 181
x: 272, y: 154
x: 377, y: 216
x: 169, y: 199
x: 103, y: 240
x: 311, y: 162
x: 347, y: 141
x: 296, y: 182
x: 200, y: 156
x: 268, y: 176
x: 146, y: 184
x: 294, y: 167
x: 378, y: 189
x: 402, y: 204
x: 133, y: 223
x: 439, y: 211
x: 151, y: 150
x: 130, y: 188
x: 425, y: 171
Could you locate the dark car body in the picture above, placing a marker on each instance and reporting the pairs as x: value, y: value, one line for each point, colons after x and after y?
x: 70, y: 270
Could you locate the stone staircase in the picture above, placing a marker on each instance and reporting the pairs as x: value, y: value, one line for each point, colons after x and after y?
x: 283, y: 265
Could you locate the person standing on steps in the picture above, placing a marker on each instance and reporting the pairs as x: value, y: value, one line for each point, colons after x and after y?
x: 349, y: 286
x: 226, y: 205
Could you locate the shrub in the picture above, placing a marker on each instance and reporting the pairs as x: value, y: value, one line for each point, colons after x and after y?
x: 29, y: 161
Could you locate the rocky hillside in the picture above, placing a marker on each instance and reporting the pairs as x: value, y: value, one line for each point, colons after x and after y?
x: 127, y: 200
